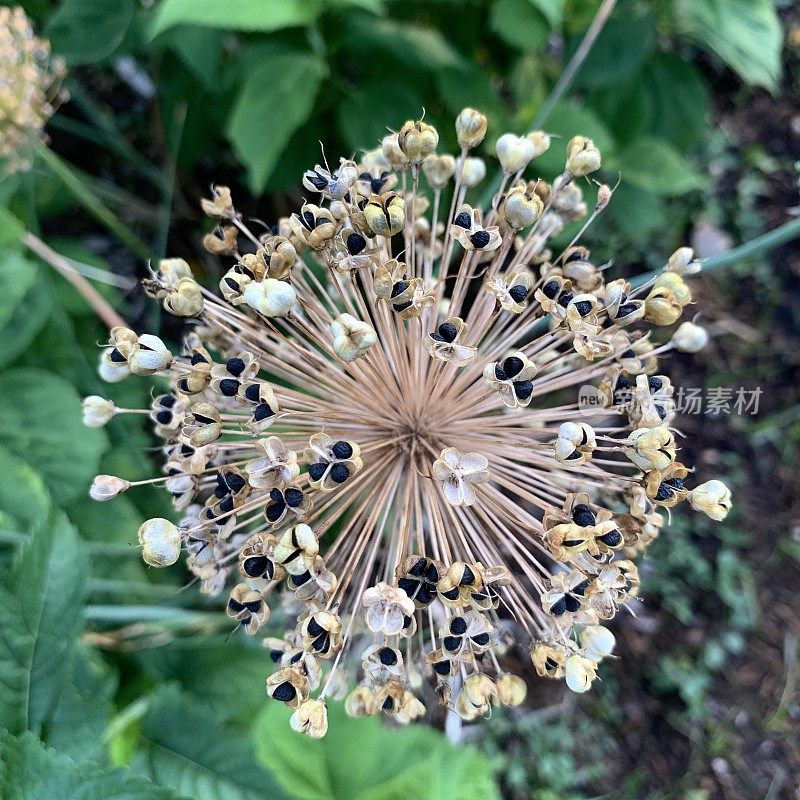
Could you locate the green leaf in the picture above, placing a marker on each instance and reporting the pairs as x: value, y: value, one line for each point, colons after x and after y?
x: 519, y: 24
x: 636, y: 212
x: 24, y: 304
x: 418, y: 47
x: 84, y: 709
x: 365, y: 113
x: 276, y: 99
x: 746, y: 34
x: 655, y: 165
x: 86, y: 31
x: 29, y: 771
x: 242, y: 15
x: 41, y: 422
x: 679, y: 98
x: 620, y: 50
x: 552, y: 9
x: 364, y: 760
x: 184, y: 747
x: 23, y: 495
x: 40, y: 607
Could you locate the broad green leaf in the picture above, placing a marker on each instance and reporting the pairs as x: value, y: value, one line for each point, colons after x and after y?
x: 365, y: 760
x: 185, y: 748
x: 552, y: 9
x: 86, y: 31
x: 655, y: 165
x: 84, y: 709
x: 242, y: 15
x: 418, y: 47
x: 620, y: 50
x: 375, y: 6
x: 519, y: 23
x: 30, y: 771
x: 471, y: 86
x: 276, y: 99
x: 365, y: 113
x: 200, y: 49
x: 679, y: 97
x: 41, y: 422
x: 24, y: 304
x: 636, y: 212
x: 745, y: 34
x: 23, y: 495
x: 40, y: 607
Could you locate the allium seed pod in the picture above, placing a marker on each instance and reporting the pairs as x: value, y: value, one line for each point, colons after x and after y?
x: 438, y: 170
x: 540, y: 141
x: 352, y: 338
x: 385, y: 214
x: 713, y: 498
x: 514, y: 152
x: 470, y: 128
x: 107, y: 487
x: 582, y: 156
x: 417, y: 140
x: 311, y: 718
x: 270, y: 297
x: 97, y: 411
x: 690, y: 338
x: 473, y: 172
x: 161, y: 542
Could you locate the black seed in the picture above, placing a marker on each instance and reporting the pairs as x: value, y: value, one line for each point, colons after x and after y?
x: 235, y: 605
x: 523, y: 389
x: 436, y: 337
x: 285, y: 693
x: 675, y: 483
x: 481, y: 639
x: 571, y: 604
x: 468, y: 577
x: 339, y: 473
x: 622, y: 383
x: 117, y: 357
x: 584, y: 307
x: 431, y: 573
x: 451, y: 594
x: 262, y: 411
x: 408, y: 586
x: 342, y: 449
x: 164, y: 417
x: 518, y: 293
x: 316, y: 180
x: 183, y: 385
x: 276, y: 495
x: 235, y: 482
x: 480, y: 239
x: 253, y: 392
x: 322, y: 643
x: 231, y: 285
x: 387, y: 656
x: 458, y: 626
x: 229, y: 387
x: 463, y: 220
x: 235, y: 366
x: 276, y: 655
x: 424, y: 596
x: 660, y: 410
x: 565, y: 299
x: 447, y: 331
x: 399, y: 288
x: 275, y: 511
x: 499, y: 374
x: 254, y: 606
x: 293, y: 497
x: 573, y: 543
x: 314, y: 628
x: 581, y: 588
x: 388, y: 704
x: 612, y: 538
x: 559, y: 607
x: 582, y: 515
x: 256, y: 566
x: 407, y: 621
x: 167, y: 400
x: 550, y: 664
x: 442, y: 668
x: 573, y: 455
x: 356, y: 244
x: 401, y: 306
x: 173, y: 471
x: 226, y: 505
x: 316, y: 471
x: 452, y: 643
x: 628, y: 354
x: 418, y: 570
x: 626, y: 309
x: 654, y: 383
x: 308, y: 220
x: 299, y: 580
x: 550, y: 289
x: 203, y: 420
x: 512, y: 366
x: 576, y: 255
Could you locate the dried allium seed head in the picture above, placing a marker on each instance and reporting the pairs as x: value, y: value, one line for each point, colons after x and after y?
x: 444, y: 477
x: 471, y: 128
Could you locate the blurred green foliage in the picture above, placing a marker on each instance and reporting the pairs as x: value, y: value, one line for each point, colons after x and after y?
x: 155, y: 704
